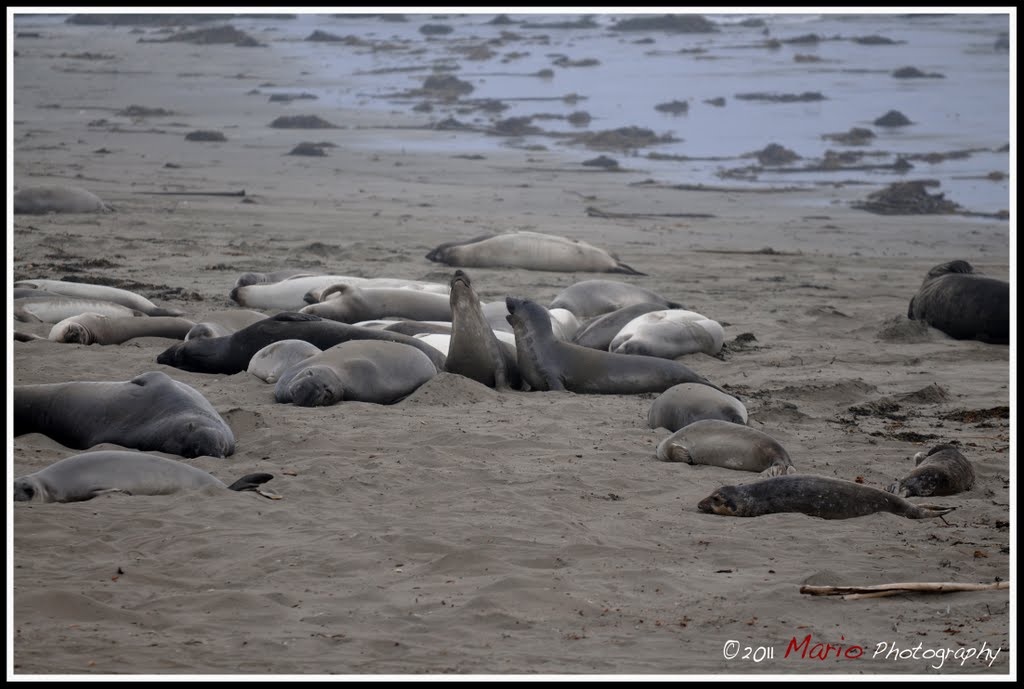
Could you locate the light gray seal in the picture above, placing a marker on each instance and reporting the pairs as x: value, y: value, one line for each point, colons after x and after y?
x: 817, y: 496
x: 246, y: 279
x: 358, y: 370
x: 85, y: 476
x: 599, y: 332
x: 55, y: 199
x: 728, y: 445
x: 549, y: 364
x: 529, y: 250
x: 669, y: 334
x: 963, y: 304
x: 474, y: 350
x: 353, y: 304
x: 223, y: 323
x: 943, y: 470
x: 85, y: 290
x: 56, y: 309
x: 150, y: 412
x: 591, y: 298
x: 686, y: 403
x: 270, y: 362
x: 93, y: 328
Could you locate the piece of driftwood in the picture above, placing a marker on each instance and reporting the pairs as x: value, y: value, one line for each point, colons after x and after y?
x: 193, y: 193
x: 883, y: 590
x: 598, y: 213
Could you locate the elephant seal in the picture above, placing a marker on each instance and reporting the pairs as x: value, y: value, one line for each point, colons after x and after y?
x: 93, y: 328
x: 591, y: 298
x: 325, y: 292
x: 54, y: 199
x: 686, y: 403
x: 288, y: 294
x: 943, y: 470
x: 728, y: 445
x: 270, y: 362
x: 56, y: 309
x: 963, y: 304
x: 599, y: 332
x: 232, y: 354
x: 246, y: 279
x: 438, y: 341
x: 529, y: 250
x: 20, y: 336
x: 669, y: 334
x: 474, y: 350
x: 223, y: 323
x: 85, y: 290
x: 419, y: 327
x: 817, y: 496
x: 353, y: 304
x: 549, y: 364
x: 358, y: 370
x: 85, y: 476
x: 150, y: 412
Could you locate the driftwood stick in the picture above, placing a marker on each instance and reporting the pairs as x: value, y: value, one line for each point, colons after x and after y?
x: 598, y: 213
x: 193, y: 193
x: 909, y: 587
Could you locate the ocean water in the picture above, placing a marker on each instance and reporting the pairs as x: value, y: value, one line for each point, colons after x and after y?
x: 619, y: 77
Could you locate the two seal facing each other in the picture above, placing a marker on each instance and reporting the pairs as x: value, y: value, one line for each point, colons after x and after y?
x: 817, y: 496
x: 475, y: 351
x: 84, y: 476
x: 529, y: 250
x: 547, y: 363
x: 963, y: 304
x: 150, y: 412
x: 940, y: 471
x: 687, y: 403
x: 727, y: 445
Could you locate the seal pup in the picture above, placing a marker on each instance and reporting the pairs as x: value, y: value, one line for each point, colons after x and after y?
x: 943, y: 470
x: 817, y: 496
x: 223, y: 323
x: 728, y: 445
x: 152, y: 411
x: 599, y: 331
x: 549, y: 364
x: 669, y: 334
x: 232, y: 354
x: 474, y: 350
x: 94, y: 328
x: 591, y: 298
x: 55, y: 199
x: 56, y: 309
x: 358, y: 370
x: 353, y: 304
x: 85, y: 476
x: 270, y: 362
x: 686, y: 403
x: 963, y: 304
x: 529, y: 250
x: 85, y: 290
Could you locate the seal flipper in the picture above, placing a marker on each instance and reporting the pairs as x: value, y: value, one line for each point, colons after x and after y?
x: 927, y: 511
x: 250, y: 482
x: 623, y: 268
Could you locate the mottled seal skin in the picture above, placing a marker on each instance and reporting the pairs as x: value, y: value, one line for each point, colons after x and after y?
x: 150, y: 412
x: 85, y: 476
x: 549, y: 364
x: 728, y: 445
x: 273, y: 360
x: 232, y: 354
x: 943, y: 470
x: 54, y: 199
x: 115, y: 295
x: 591, y: 298
x: 223, y: 323
x: 599, y: 332
x: 817, y: 496
x: 352, y: 304
x: 669, y: 334
x: 93, y: 328
x: 963, y: 304
x: 529, y: 250
x: 359, y: 370
x: 474, y: 350
x: 687, y: 403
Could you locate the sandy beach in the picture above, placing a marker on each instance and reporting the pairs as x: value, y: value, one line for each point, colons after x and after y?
x: 465, y: 530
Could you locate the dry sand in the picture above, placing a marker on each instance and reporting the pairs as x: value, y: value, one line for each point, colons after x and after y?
x: 463, y: 530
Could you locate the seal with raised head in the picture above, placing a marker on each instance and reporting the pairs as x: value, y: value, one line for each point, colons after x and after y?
x: 232, y: 354
x: 94, y: 328
x: 352, y: 304
x: 359, y: 371
x: 223, y: 323
x: 599, y: 332
x: 547, y: 363
x: 529, y: 250
x: 475, y: 351
x: 727, y: 445
x: 687, y: 403
x: 85, y: 476
x: 270, y: 362
x: 86, y: 290
x: 817, y: 496
x: 591, y: 298
x: 963, y: 304
x: 150, y: 412
x: 943, y: 470
x: 54, y: 199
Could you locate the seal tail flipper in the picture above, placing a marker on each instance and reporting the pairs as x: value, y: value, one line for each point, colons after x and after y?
x: 250, y: 482
x: 673, y: 453
x: 623, y: 268
x: 174, y: 313
x: 928, y: 511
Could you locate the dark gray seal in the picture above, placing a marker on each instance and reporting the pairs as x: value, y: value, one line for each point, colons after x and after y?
x: 943, y: 470
x: 85, y: 476
x: 963, y: 304
x: 150, y: 412
x: 355, y: 371
x: 686, y: 403
x: 591, y: 298
x: 599, y: 332
x: 546, y: 363
x: 728, y: 445
x: 232, y: 354
x: 817, y: 496
x: 53, y: 199
x: 474, y: 350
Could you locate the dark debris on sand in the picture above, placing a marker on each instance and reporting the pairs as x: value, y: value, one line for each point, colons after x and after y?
x: 302, y: 122
x: 907, y: 198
